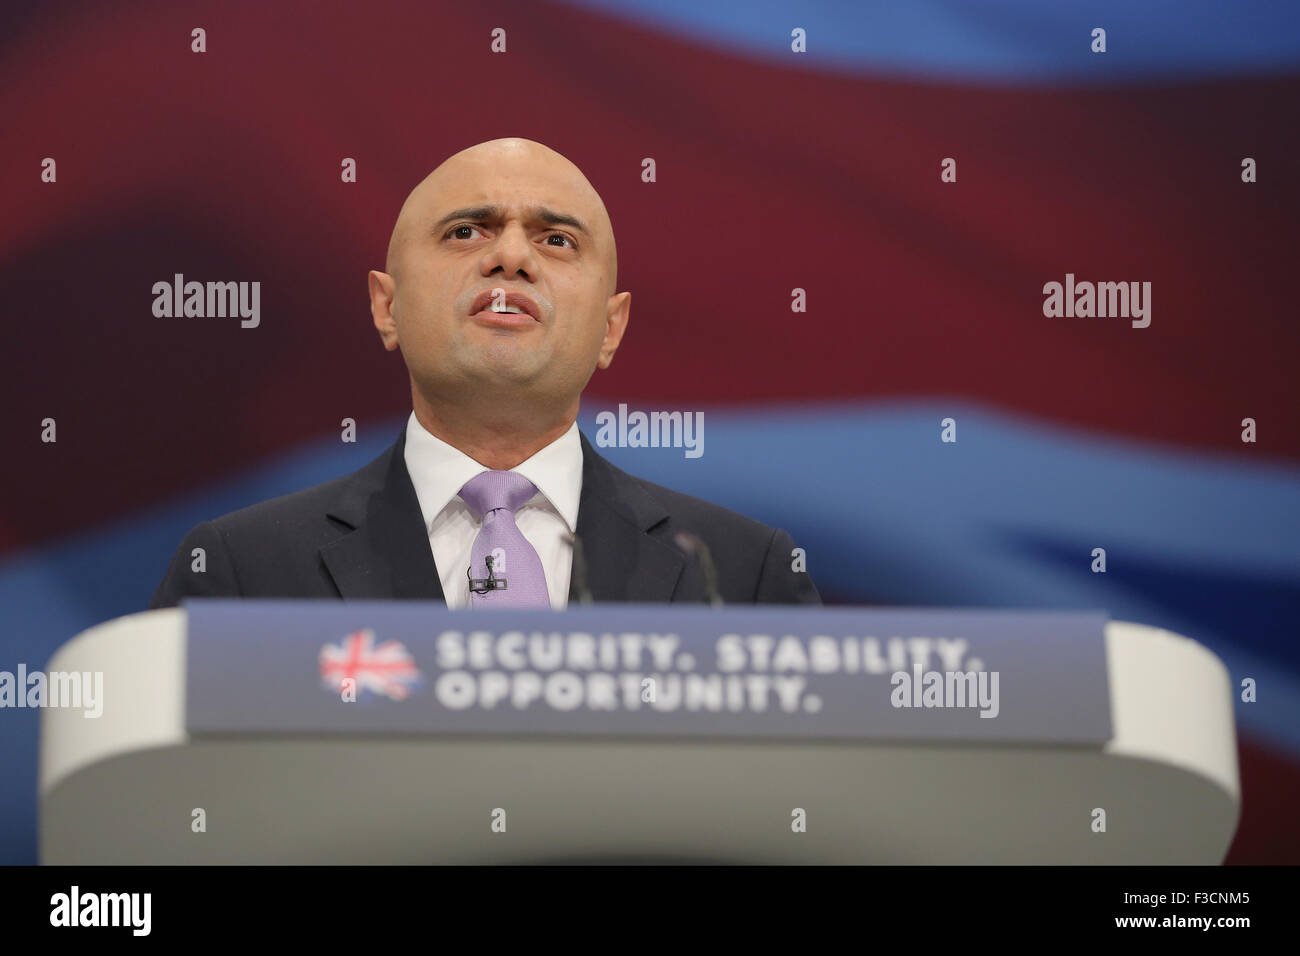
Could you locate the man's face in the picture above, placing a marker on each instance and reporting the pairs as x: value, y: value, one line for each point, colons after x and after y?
x: 507, y: 217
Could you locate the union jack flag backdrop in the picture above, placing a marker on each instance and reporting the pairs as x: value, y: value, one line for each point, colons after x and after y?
x: 775, y: 171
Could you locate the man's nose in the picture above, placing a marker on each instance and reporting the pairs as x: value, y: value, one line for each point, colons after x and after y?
x: 512, y: 253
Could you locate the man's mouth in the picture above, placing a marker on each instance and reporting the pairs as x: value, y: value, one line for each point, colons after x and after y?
x: 498, y: 303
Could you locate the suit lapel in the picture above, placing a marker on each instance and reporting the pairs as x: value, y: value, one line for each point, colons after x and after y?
x: 386, y: 553
x: 624, y: 562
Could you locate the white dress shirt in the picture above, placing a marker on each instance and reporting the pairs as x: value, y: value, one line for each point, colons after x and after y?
x: 439, y: 471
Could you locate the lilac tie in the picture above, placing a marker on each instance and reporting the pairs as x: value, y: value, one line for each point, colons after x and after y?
x: 494, y: 496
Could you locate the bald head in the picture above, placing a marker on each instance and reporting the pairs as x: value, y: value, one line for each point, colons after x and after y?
x: 500, y: 287
x: 472, y: 172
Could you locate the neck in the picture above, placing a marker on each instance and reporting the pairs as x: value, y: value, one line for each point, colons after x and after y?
x: 496, y: 438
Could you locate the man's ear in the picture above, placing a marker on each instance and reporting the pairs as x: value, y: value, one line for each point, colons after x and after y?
x: 382, y: 291
x: 619, y: 311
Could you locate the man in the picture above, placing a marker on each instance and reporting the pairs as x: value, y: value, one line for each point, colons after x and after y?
x: 500, y: 293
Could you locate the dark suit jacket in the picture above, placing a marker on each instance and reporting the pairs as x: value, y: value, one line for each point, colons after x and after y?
x: 362, y: 536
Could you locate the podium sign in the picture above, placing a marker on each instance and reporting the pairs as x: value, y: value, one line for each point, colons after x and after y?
x: 415, y: 667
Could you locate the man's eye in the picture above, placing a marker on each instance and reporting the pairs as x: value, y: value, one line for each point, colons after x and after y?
x: 456, y: 229
x: 560, y: 235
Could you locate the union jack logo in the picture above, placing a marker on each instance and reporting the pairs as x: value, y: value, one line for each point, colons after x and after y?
x: 387, y: 669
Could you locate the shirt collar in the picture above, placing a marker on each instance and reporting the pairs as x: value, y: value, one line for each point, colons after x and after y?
x: 438, y: 471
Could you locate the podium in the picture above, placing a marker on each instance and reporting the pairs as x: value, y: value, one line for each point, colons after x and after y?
x: 305, y: 732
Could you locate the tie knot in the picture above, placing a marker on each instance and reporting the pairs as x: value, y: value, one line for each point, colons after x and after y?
x: 493, y: 490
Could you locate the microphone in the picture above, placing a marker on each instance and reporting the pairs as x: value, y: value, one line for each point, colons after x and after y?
x: 580, y: 571
x: 691, y: 544
x: 489, y: 583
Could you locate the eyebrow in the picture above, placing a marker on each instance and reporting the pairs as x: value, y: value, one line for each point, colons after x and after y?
x: 494, y: 213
